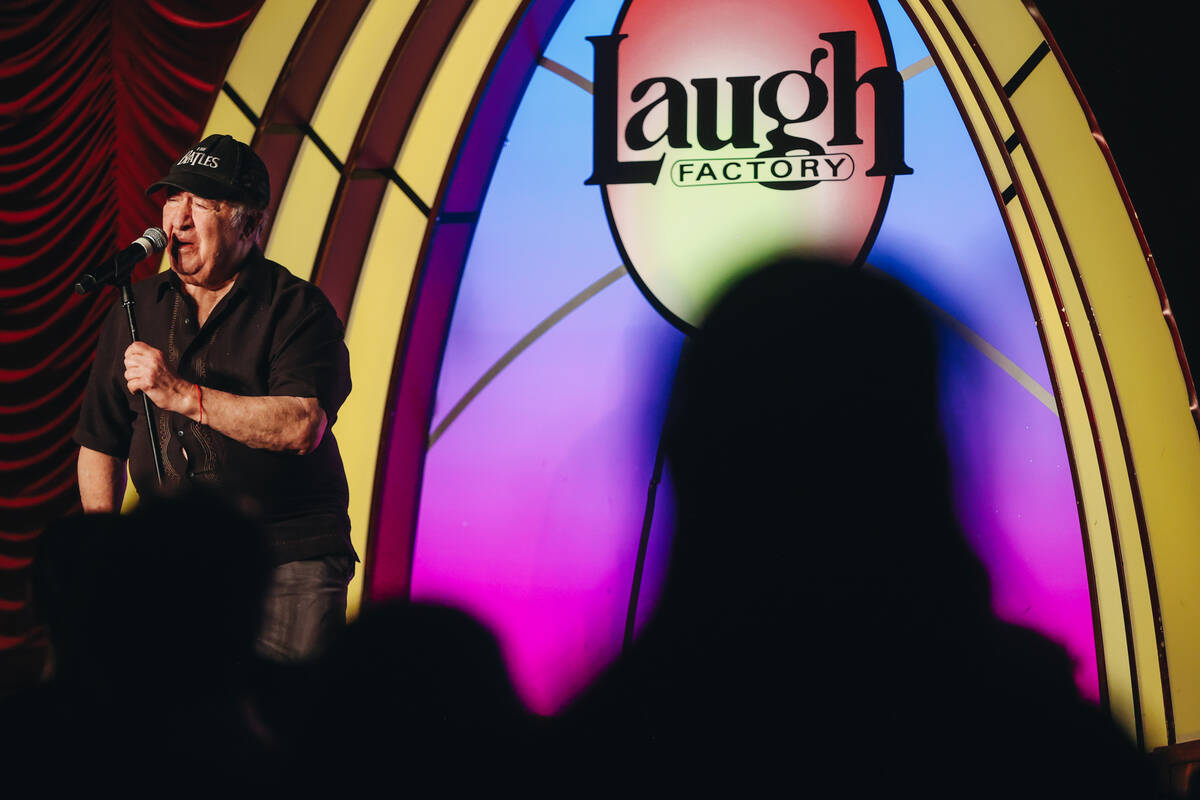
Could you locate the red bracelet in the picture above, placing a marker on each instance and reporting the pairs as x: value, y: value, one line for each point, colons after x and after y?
x: 200, y: 401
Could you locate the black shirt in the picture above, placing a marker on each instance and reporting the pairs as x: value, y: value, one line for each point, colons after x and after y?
x: 271, y: 334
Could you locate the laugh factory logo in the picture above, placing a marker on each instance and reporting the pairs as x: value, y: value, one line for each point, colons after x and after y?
x: 779, y: 125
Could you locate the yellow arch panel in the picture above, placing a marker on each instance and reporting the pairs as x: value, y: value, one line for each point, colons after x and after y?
x: 372, y: 335
x: 1010, y: 32
x: 1091, y: 252
x: 227, y: 118
x: 993, y: 106
x: 300, y: 220
x: 426, y: 151
x: 1056, y: 131
x: 988, y: 119
x: 1088, y: 476
x: 1120, y: 485
x: 344, y: 101
x: 1145, y: 371
x: 265, y: 46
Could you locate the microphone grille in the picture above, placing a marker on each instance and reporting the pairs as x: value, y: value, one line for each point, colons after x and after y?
x: 156, y: 237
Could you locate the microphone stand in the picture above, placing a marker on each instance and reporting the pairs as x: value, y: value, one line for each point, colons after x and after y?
x: 127, y: 302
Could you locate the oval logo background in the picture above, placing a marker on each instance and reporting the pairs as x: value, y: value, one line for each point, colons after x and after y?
x: 734, y: 132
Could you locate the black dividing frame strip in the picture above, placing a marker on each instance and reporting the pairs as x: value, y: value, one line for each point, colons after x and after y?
x: 242, y: 105
x: 390, y: 174
x: 1027, y: 68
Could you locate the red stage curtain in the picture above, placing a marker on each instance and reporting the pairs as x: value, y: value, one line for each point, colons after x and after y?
x: 96, y: 100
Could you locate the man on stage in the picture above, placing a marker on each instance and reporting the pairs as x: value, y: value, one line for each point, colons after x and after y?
x: 247, y: 368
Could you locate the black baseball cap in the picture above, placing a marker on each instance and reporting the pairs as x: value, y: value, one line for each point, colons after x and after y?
x: 221, y: 168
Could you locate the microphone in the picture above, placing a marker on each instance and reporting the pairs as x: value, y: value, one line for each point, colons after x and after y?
x: 117, y: 268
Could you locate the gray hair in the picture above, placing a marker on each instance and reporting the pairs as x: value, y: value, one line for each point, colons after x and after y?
x: 248, y: 219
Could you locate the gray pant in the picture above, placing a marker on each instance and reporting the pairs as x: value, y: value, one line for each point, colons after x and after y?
x: 305, y: 607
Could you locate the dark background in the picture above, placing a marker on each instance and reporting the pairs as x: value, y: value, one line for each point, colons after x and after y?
x: 1133, y: 61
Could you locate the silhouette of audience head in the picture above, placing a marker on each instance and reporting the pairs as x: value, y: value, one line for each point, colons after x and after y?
x: 418, y: 694
x: 806, y: 454
x: 170, y: 593
x: 152, y: 619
